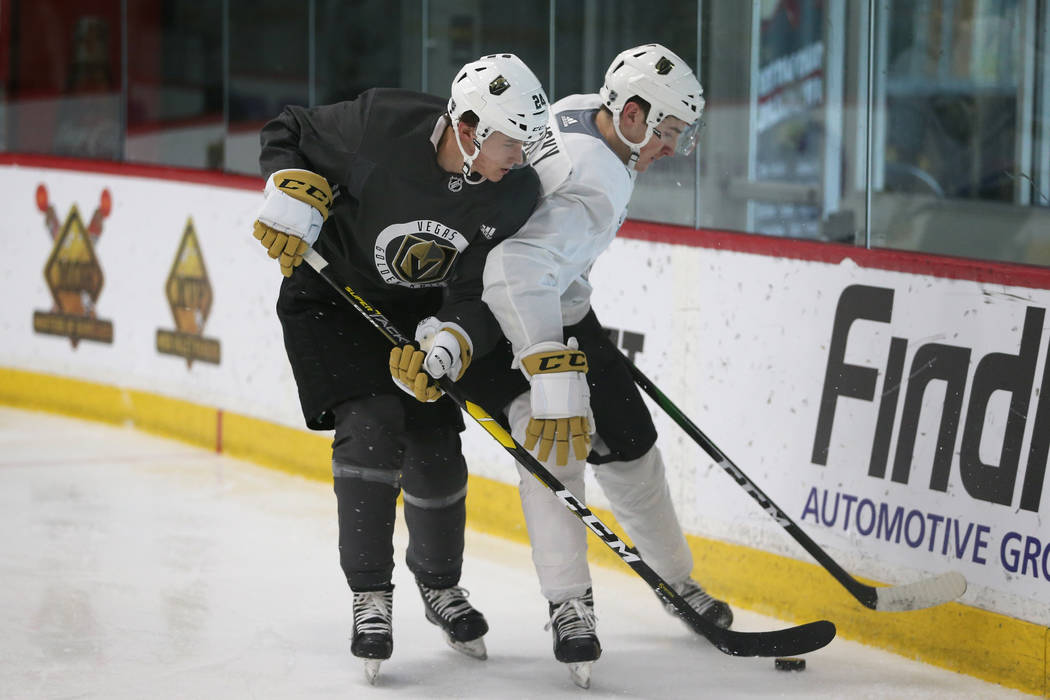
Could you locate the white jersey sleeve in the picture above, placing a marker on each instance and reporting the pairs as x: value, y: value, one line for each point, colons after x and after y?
x: 536, y: 280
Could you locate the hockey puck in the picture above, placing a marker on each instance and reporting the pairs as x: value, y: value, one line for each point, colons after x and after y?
x: 789, y: 664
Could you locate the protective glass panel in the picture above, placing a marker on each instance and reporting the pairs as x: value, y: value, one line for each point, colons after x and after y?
x: 63, y: 75
x: 175, y: 84
x: 460, y: 31
x: 588, y: 35
x: 963, y: 138
x: 269, y: 60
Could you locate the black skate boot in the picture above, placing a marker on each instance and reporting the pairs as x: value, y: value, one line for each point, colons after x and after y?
x: 713, y: 610
x: 373, y: 638
x: 575, y: 640
x: 463, y: 626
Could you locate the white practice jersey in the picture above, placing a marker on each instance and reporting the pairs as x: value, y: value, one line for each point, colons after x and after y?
x: 536, y: 280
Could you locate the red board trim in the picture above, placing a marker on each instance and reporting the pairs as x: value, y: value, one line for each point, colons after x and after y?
x: 944, y: 266
x: 158, y: 172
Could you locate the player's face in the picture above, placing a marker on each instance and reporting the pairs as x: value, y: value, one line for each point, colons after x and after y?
x: 499, y: 153
x: 662, y: 144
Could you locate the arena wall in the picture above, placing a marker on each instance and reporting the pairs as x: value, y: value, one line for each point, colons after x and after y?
x: 895, y: 405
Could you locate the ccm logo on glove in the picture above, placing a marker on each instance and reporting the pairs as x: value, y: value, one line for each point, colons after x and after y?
x: 297, y: 205
x: 555, y: 362
x: 306, y: 187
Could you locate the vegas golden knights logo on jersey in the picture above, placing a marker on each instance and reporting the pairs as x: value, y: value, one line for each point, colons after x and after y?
x: 421, y: 260
x: 417, y: 253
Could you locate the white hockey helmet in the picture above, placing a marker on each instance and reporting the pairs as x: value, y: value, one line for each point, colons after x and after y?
x: 505, y: 96
x: 661, y: 78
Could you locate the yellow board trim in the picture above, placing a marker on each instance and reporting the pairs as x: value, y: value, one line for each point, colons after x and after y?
x: 994, y: 647
x: 278, y: 447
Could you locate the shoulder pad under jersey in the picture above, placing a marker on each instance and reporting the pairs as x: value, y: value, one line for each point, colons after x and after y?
x: 552, y: 162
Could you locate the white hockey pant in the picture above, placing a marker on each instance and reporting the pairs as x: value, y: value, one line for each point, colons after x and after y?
x: 640, y: 499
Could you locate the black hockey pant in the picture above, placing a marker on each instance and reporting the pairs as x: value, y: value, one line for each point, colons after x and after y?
x: 374, y: 457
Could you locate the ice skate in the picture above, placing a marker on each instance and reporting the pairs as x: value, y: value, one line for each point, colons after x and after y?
x: 463, y: 626
x: 712, y: 609
x: 575, y: 640
x: 373, y: 638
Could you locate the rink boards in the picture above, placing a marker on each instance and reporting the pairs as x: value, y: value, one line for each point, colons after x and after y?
x: 895, y: 406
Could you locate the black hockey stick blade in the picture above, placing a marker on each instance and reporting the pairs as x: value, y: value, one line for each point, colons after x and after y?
x: 808, y: 637
x: 786, y: 642
x: 910, y: 596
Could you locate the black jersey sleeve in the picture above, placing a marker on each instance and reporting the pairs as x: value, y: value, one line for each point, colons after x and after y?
x: 324, y: 139
x: 462, y: 302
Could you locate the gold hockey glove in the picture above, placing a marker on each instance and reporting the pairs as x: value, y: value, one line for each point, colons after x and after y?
x: 296, y: 206
x: 560, y: 401
x: 406, y: 363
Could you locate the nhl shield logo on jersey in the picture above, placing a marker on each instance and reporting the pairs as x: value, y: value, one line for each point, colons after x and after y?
x: 417, y: 253
x: 455, y: 183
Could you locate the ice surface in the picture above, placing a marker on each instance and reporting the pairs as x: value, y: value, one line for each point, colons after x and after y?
x: 137, y: 567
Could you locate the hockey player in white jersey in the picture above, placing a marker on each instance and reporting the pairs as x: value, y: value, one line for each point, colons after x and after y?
x: 536, y: 285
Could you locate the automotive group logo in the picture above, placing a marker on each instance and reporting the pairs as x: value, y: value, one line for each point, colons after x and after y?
x: 73, y: 274
x: 189, y: 295
x: 417, y: 253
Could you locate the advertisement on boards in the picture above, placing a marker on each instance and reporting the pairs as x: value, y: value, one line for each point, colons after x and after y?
x: 901, y: 420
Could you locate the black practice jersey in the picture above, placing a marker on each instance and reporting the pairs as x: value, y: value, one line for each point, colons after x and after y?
x: 399, y: 223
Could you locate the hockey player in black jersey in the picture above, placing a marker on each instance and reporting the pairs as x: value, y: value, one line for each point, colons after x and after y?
x: 404, y: 195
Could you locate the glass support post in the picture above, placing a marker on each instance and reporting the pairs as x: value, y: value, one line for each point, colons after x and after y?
x: 834, y: 68
x: 1026, y: 91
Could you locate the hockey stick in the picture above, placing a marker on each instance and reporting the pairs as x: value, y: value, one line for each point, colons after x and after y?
x: 784, y: 642
x: 910, y: 596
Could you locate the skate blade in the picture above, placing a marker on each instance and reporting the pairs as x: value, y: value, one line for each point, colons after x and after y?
x: 475, y: 648
x: 580, y: 672
x: 372, y: 670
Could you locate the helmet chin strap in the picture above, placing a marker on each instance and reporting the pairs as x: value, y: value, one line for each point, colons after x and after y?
x: 636, y: 148
x: 468, y: 160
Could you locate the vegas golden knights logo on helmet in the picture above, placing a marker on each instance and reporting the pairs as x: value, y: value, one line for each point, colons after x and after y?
x: 499, y: 85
